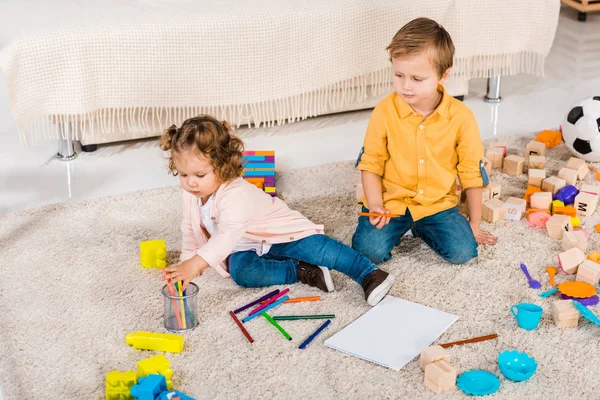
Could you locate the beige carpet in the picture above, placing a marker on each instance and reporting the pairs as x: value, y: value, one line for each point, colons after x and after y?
x: 72, y: 287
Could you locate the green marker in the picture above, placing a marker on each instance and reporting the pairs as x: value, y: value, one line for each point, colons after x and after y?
x: 296, y: 317
x: 276, y: 325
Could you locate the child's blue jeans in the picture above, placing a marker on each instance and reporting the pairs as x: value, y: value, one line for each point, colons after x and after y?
x: 448, y: 233
x: 278, y: 265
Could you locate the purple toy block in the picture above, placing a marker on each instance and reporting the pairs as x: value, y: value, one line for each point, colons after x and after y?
x: 149, y: 387
x: 270, y: 181
x: 270, y: 159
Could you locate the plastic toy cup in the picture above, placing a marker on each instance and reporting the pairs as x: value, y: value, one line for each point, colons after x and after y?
x: 528, y: 315
x: 181, y: 312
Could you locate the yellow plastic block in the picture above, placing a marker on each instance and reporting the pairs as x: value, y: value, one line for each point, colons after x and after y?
x: 153, y: 254
x: 264, y: 153
x: 575, y: 222
x: 155, y: 341
x: 270, y: 189
x: 156, y: 365
x: 118, y: 385
x: 557, y: 203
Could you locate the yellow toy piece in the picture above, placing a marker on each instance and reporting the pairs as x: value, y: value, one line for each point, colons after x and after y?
x: 576, y: 222
x: 153, y: 254
x: 579, y: 290
x: 155, y: 341
x: 118, y: 385
x: 156, y: 365
x: 549, y: 138
x: 557, y: 203
x: 595, y: 257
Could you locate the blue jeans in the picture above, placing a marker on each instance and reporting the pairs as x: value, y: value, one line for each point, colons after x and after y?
x: 278, y: 265
x: 448, y: 233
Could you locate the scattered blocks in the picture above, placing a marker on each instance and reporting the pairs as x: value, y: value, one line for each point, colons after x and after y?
x: 515, y: 208
x: 119, y: 384
x: 153, y: 253
x: 513, y: 165
x: 589, y: 272
x: 585, y: 203
x: 570, y: 260
x: 565, y: 314
x: 493, y: 210
x: 549, y: 138
x: 149, y: 387
x: 553, y: 184
x: 568, y: 175
x: 432, y: 354
x: 531, y: 190
x: 495, y: 190
x: 537, y: 162
x: 496, y: 156
x: 440, y: 376
x: 557, y: 225
x: 536, y: 176
x: 579, y: 165
x: 541, y: 201
x: 574, y: 239
x: 535, y: 149
x: 156, y: 365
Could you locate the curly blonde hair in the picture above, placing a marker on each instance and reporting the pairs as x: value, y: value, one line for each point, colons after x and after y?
x: 208, y: 137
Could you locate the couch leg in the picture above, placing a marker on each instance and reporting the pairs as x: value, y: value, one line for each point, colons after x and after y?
x: 66, y: 147
x: 581, y: 16
x: 88, y: 148
x: 493, y: 89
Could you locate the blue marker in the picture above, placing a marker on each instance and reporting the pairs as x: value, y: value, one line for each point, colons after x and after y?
x: 311, y: 337
x: 275, y: 304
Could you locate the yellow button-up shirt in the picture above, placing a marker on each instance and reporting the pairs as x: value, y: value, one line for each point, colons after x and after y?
x: 418, y: 159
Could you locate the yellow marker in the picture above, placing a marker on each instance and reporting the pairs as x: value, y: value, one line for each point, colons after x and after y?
x: 179, y: 285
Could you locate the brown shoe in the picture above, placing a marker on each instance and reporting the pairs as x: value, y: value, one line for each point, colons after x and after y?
x: 314, y: 276
x: 376, y: 285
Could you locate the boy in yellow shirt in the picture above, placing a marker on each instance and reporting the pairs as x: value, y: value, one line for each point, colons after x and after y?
x: 419, y: 139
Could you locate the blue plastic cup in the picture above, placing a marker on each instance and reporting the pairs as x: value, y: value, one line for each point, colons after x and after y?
x: 528, y: 315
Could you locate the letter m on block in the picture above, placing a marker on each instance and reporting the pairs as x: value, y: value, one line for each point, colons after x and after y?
x: 581, y: 206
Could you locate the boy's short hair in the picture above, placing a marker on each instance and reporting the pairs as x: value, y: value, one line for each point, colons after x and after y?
x: 424, y: 34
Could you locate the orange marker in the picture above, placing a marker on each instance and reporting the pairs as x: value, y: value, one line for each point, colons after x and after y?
x: 372, y: 214
x: 299, y: 299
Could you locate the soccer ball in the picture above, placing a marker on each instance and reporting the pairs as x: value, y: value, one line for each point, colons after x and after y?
x: 581, y: 129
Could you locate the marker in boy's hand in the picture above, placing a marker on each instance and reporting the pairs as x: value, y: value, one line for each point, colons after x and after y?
x: 380, y: 222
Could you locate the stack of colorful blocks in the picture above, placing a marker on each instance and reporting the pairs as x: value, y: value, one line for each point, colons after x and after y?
x: 259, y: 169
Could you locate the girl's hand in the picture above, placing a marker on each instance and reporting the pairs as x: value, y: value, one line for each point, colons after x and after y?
x: 483, y: 237
x: 379, y: 222
x: 186, y: 271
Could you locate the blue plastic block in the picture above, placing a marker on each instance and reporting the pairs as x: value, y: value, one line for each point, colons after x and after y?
x: 149, y: 387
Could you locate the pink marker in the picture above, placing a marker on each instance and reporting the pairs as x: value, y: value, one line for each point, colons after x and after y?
x: 271, y: 300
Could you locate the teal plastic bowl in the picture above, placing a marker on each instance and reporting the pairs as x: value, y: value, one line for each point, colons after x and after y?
x: 516, y: 366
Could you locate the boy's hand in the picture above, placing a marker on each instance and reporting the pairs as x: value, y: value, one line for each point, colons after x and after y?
x: 482, y: 237
x: 186, y: 271
x: 379, y: 222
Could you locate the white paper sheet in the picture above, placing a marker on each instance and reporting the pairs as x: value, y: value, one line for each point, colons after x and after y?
x: 392, y: 333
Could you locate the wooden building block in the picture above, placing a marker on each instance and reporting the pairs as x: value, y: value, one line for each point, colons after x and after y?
x: 495, y: 190
x: 496, y: 156
x: 579, y: 165
x: 574, y: 239
x: 585, y: 203
x: 541, y: 201
x: 535, y: 149
x: 493, y: 210
x: 432, y: 354
x: 536, y: 176
x: 487, y: 165
x: 485, y: 194
x: 537, y: 162
x: 565, y: 314
x: 569, y: 260
x: 568, y: 175
x: 515, y: 208
x: 553, y: 184
x: 557, y: 225
x: 589, y: 272
x: 440, y: 376
x: 531, y: 190
x: 591, y: 189
x: 513, y: 165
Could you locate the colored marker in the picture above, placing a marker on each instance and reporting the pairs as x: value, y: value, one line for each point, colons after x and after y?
x: 172, y: 293
x: 270, y: 301
x: 299, y: 299
x: 311, y: 337
x: 276, y: 325
x: 272, y: 305
x: 266, y: 296
x: 244, y: 331
x: 183, y: 319
x: 192, y: 319
x: 296, y: 317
